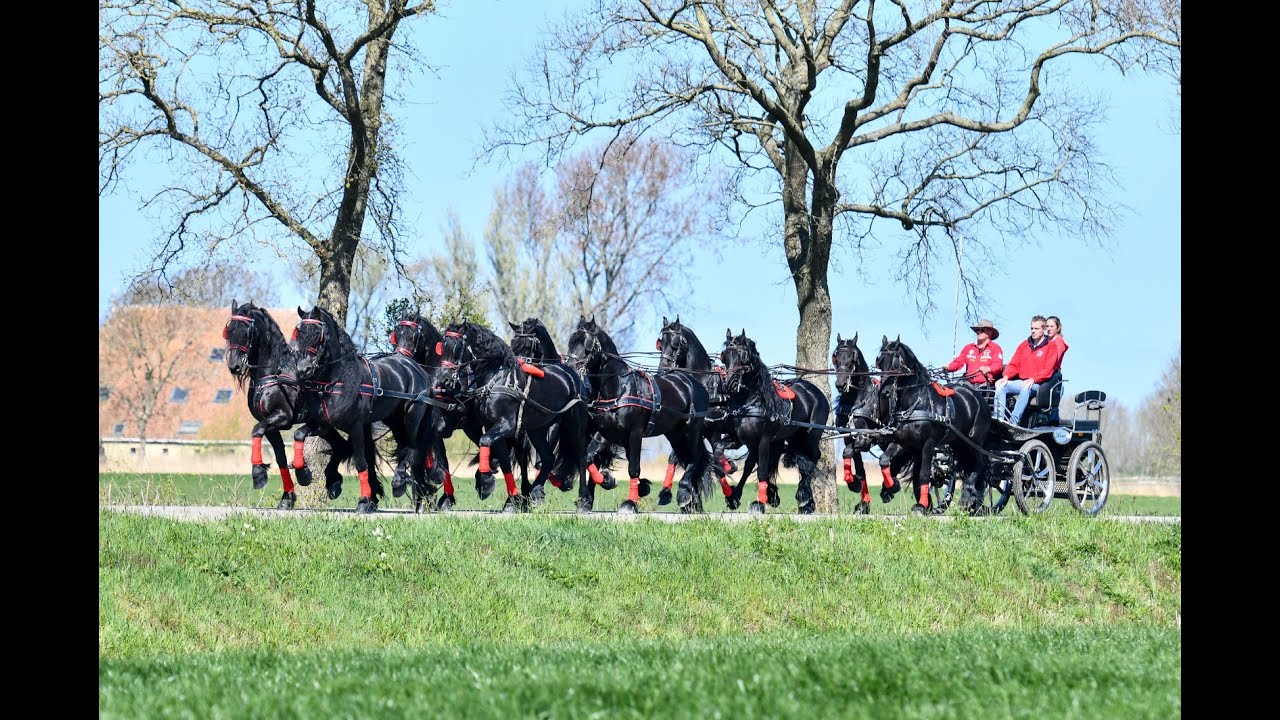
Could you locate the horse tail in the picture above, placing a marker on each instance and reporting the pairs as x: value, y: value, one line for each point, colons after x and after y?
x: 793, y: 459
x: 573, y: 439
x: 704, y: 479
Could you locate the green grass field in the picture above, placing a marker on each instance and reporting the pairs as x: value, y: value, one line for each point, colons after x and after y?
x: 557, y: 616
x: 237, y: 490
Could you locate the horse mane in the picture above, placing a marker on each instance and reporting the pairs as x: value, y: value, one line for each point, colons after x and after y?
x: 345, y: 348
x: 768, y: 393
x: 430, y: 333
x: 606, y: 342
x: 909, y: 358
x: 547, y: 346
x: 274, y: 335
x: 698, y: 360
x: 485, y: 343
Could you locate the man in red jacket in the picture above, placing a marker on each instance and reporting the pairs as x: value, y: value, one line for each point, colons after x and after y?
x: 981, y: 359
x: 1033, y: 363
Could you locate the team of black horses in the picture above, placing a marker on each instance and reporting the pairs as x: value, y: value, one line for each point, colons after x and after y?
x: 574, y: 412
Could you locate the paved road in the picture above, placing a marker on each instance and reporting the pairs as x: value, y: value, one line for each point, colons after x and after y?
x: 210, y: 512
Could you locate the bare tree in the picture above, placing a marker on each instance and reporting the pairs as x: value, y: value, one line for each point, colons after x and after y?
x: 142, y: 350
x: 959, y: 133
x: 525, y: 259
x: 1162, y: 417
x: 239, y: 95
x: 631, y: 214
x: 215, y: 284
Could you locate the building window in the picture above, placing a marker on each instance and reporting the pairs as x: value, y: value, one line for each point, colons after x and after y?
x: 117, y: 429
x: 104, y: 392
x: 222, y: 396
x: 217, y: 354
x: 189, y: 427
x: 179, y: 395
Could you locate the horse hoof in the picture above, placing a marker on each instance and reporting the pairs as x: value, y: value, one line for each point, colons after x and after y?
x: 303, y: 475
x: 628, y: 508
x: 757, y: 508
x: 334, y: 490
x: 645, y: 487
x: 919, y: 509
x: 862, y: 508
x: 887, y: 494
x: 664, y: 497
x: 511, y: 506
x: 286, y: 501
x: 259, y: 477
x: 684, y: 498
x: 484, y: 484
x: 366, y: 505
x: 774, y: 500
x: 609, y: 483
x: 417, y: 506
x: 537, y: 495
x: 808, y: 508
x: 445, y: 503
x: 979, y: 511
x: 397, y: 489
x: 732, y: 502
x: 566, y: 485
x: 585, y: 505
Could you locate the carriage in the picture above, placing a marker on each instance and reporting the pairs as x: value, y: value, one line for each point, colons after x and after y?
x: 1046, y: 459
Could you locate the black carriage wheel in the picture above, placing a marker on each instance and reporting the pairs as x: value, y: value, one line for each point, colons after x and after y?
x: 996, y: 495
x: 1088, y: 478
x: 1033, y: 477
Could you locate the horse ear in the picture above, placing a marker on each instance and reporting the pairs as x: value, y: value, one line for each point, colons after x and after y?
x: 677, y: 318
x: 855, y: 338
x: 233, y: 306
x: 664, y: 321
x: 301, y: 313
x: 899, y: 340
x: 514, y: 326
x: 884, y: 340
x: 744, y: 332
x: 728, y: 334
x: 838, y: 340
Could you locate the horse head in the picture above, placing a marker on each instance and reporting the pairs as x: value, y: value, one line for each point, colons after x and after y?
x: 673, y: 344
x: 740, y: 358
x: 848, y: 361
x: 320, y: 341
x: 589, y: 346
x: 414, y: 336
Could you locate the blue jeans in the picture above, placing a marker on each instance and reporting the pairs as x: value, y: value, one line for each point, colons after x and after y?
x: 1024, y: 388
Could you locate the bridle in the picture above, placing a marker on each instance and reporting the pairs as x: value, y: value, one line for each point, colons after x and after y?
x: 852, y: 352
x: 674, y: 348
x: 417, y: 338
x: 452, y: 369
x: 319, y: 344
x: 736, y: 375
x: 226, y: 334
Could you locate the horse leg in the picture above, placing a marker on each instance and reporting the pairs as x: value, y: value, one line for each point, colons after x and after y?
x: 775, y: 456
x: 502, y: 452
x: 366, y: 503
x: 888, y: 487
x: 631, y: 504
x: 763, y: 459
x: 255, y: 456
x: 859, y: 483
x: 923, y: 476
x: 734, y: 498
x: 289, y: 497
x: 542, y: 446
x: 805, y: 504
x: 603, y: 479
x: 447, y: 500
x: 664, y: 497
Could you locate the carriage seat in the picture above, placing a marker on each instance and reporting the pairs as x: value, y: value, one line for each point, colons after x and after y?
x: 1043, y: 402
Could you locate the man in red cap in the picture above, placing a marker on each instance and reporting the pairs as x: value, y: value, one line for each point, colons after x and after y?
x: 981, y: 359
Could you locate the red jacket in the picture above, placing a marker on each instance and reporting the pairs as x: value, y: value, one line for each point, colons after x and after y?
x: 971, y: 358
x: 1065, y: 347
x: 1035, y: 365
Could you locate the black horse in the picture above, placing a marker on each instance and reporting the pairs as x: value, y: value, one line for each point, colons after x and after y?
x: 628, y: 405
x: 255, y: 349
x: 859, y: 406
x: 350, y: 392
x: 682, y: 349
x: 763, y: 417
x: 924, y: 416
x: 533, y: 346
x: 506, y: 397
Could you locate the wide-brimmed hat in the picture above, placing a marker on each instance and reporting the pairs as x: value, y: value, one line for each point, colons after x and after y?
x: 985, y: 324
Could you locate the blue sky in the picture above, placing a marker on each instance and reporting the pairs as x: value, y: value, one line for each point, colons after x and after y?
x: 1121, y: 307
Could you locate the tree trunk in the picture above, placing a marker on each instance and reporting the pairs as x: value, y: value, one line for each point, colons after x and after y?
x: 335, y: 273
x: 808, y: 247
